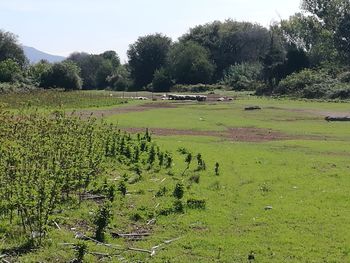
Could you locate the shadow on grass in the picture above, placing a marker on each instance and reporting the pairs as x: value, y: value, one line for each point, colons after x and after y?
x: 20, y: 250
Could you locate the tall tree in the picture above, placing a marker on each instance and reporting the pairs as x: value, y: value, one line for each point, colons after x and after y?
x: 190, y: 64
x: 95, y: 69
x: 62, y: 75
x: 146, y: 55
x: 10, y: 48
x: 230, y: 42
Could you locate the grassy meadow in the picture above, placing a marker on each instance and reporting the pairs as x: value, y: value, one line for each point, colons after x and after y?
x: 283, y: 199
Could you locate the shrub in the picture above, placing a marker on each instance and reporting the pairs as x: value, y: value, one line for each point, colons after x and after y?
x: 196, y: 203
x: 197, y: 88
x: 62, y: 75
x: 102, y: 220
x: 178, y: 191
x: 10, y: 71
x: 309, y: 80
x: 162, y: 81
x: 245, y: 76
x: 178, y: 206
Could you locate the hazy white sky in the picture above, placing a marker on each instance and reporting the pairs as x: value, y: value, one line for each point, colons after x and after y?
x: 63, y: 26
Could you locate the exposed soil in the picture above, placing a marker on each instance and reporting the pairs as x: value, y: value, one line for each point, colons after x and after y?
x: 120, y: 110
x: 322, y: 113
x: 233, y: 134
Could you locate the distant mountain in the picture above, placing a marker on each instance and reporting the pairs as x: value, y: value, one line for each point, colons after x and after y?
x: 35, y: 55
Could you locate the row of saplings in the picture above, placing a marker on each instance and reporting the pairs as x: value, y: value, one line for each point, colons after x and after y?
x: 47, y: 162
x: 104, y: 214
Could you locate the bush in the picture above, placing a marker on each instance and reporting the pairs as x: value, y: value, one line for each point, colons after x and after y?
x: 196, y: 203
x: 162, y: 81
x: 197, y: 88
x: 10, y: 71
x: 307, y: 83
x: 102, y: 220
x: 245, y: 76
x: 62, y: 75
x: 178, y: 191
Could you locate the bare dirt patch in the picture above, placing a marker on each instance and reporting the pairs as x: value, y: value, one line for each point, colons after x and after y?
x: 99, y: 113
x: 233, y: 134
x: 320, y: 113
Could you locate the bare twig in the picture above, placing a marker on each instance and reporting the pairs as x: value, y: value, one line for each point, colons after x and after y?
x: 58, y: 227
x: 166, y: 242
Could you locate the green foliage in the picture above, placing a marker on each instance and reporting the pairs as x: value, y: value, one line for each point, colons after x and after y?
x: 190, y: 64
x: 147, y: 55
x: 342, y: 37
x: 217, y: 165
x: 99, y: 71
x: 198, y: 87
x: 196, y: 203
x: 101, y: 221
x: 37, y: 71
x: 178, y: 206
x: 307, y: 82
x: 245, y: 76
x: 200, y: 162
x: 10, y: 49
x: 81, y: 250
x: 230, y: 42
x: 122, y: 188
x: 120, y: 79
x: 162, y: 81
x: 62, y: 75
x: 10, y: 71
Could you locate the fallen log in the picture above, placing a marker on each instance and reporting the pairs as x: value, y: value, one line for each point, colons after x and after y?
x: 332, y: 118
x: 130, y: 235
x: 252, y: 108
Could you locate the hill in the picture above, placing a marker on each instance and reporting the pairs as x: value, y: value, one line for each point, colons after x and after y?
x: 35, y: 55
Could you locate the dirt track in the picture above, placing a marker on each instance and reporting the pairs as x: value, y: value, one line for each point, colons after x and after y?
x: 120, y: 110
x: 233, y: 134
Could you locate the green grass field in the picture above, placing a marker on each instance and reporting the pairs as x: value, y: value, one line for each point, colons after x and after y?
x: 305, y: 179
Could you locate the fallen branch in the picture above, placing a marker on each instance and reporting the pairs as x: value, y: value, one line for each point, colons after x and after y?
x: 166, y: 242
x: 117, y: 247
x: 128, y: 235
x: 58, y: 227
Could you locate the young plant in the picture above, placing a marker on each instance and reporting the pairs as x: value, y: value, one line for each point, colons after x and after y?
x: 178, y: 191
x: 102, y: 220
x: 216, y: 170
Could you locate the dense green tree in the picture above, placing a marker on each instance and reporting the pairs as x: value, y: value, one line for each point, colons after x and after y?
x: 120, y: 80
x: 190, y: 64
x: 244, y: 76
x: 89, y: 65
x: 273, y: 61
x: 96, y: 69
x: 112, y: 56
x: 62, y: 75
x: 230, y: 42
x: 146, y: 55
x: 308, y: 33
x: 104, y: 71
x: 38, y: 70
x: 10, y: 71
x: 10, y: 49
x: 162, y: 80
x: 342, y: 37
x: 329, y: 12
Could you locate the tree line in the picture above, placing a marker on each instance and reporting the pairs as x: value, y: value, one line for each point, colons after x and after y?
x: 294, y: 57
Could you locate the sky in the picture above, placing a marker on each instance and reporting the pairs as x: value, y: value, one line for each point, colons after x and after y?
x: 61, y: 27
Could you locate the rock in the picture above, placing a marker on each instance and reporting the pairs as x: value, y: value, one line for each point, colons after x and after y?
x: 269, y: 207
